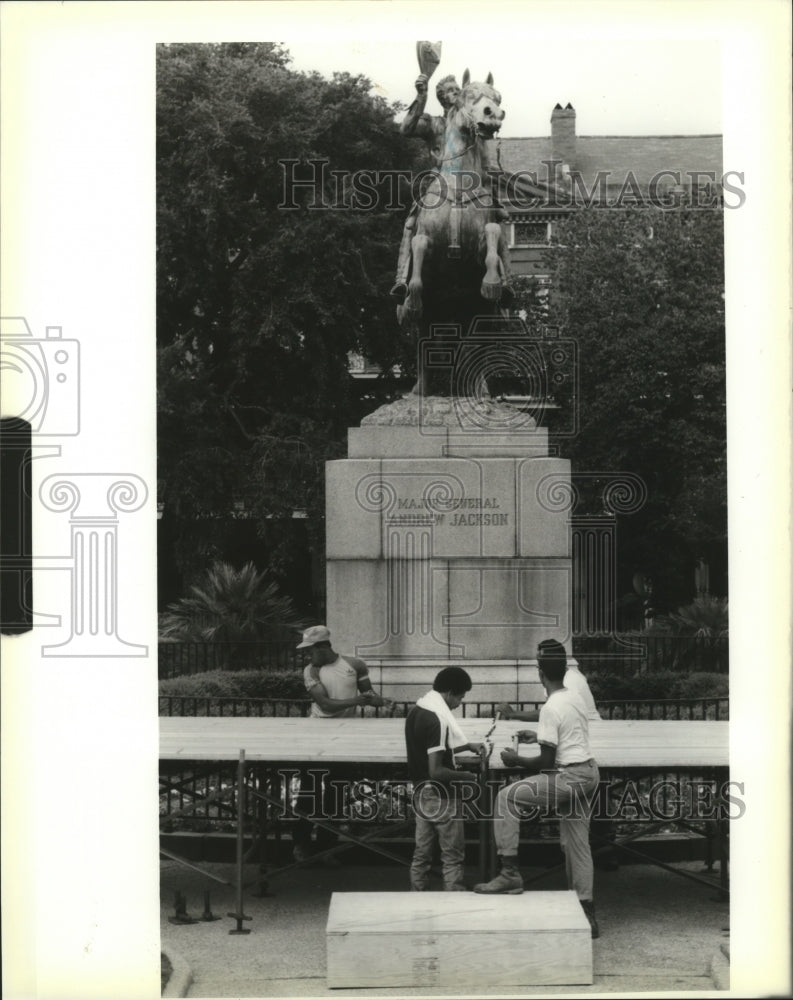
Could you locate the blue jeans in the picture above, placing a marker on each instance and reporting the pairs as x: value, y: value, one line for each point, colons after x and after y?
x: 437, y: 816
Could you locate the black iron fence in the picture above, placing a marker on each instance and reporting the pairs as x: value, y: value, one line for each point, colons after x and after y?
x: 711, y: 709
x: 626, y: 654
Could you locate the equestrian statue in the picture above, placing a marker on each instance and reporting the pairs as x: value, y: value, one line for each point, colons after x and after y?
x: 453, y: 265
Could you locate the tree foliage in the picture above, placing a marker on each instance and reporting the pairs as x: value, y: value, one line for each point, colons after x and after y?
x: 642, y: 293
x: 257, y: 305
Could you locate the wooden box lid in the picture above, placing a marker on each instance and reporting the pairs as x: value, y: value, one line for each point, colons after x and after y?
x: 454, y: 912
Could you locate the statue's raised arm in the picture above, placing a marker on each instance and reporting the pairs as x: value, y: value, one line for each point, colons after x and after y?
x: 416, y: 122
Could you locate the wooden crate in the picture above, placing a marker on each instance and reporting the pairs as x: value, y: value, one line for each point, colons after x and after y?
x: 457, y: 939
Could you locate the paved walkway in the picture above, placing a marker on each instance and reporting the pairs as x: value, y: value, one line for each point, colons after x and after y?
x: 659, y: 932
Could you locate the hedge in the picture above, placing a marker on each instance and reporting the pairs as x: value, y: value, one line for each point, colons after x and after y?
x: 664, y: 684
x: 236, y: 684
x: 289, y: 684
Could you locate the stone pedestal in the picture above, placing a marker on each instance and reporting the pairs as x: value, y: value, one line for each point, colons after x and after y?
x: 448, y: 541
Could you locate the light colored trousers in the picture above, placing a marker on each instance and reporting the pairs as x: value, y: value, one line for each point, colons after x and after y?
x: 566, y: 794
x: 437, y: 815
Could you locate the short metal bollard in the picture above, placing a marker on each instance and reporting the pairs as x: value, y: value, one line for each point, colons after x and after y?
x: 180, y: 911
x: 208, y: 914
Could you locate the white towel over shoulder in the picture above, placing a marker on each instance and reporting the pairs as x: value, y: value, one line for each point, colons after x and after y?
x: 433, y: 701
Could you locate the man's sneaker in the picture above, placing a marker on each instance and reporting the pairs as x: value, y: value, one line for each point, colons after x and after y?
x: 507, y: 881
x: 589, y: 909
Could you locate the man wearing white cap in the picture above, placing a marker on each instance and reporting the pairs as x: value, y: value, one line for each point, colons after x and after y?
x: 338, y: 685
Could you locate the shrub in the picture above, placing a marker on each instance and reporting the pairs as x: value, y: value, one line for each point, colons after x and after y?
x: 701, y: 685
x: 610, y: 687
x: 237, y: 684
x: 661, y: 685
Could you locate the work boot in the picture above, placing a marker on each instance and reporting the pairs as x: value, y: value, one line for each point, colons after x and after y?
x: 588, y: 906
x: 455, y: 887
x: 507, y: 881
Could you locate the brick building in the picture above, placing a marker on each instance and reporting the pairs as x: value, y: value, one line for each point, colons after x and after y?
x: 599, y: 170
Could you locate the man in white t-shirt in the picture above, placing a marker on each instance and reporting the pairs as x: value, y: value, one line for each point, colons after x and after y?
x: 564, y: 778
x: 602, y: 827
x: 574, y: 681
x: 338, y: 685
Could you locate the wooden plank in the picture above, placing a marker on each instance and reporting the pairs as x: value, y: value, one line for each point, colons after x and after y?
x: 620, y: 744
x: 442, y: 939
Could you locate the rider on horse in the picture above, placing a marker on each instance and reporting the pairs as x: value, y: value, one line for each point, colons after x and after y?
x: 432, y: 128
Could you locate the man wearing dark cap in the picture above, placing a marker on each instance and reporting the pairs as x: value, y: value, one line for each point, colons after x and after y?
x: 338, y: 685
x: 564, y: 777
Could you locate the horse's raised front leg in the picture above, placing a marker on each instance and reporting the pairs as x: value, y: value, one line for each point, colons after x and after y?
x: 491, y: 283
x: 412, y: 304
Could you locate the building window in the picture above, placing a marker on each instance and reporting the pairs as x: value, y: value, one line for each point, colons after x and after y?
x: 530, y: 234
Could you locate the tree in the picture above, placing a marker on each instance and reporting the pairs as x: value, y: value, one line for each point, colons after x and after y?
x: 642, y: 293
x: 258, y: 305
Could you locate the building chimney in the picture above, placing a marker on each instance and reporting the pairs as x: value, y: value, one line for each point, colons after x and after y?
x: 563, y: 134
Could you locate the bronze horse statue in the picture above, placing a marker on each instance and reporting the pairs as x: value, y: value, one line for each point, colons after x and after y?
x: 458, y: 267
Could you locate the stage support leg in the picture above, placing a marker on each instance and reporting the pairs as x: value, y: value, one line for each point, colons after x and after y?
x: 239, y: 916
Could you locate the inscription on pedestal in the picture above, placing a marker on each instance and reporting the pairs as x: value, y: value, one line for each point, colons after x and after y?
x: 460, y: 512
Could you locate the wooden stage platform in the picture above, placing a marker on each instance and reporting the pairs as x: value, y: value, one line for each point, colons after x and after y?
x: 622, y: 749
x: 616, y: 745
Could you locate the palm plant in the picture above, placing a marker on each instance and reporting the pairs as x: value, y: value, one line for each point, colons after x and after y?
x: 231, y: 606
x: 706, y: 620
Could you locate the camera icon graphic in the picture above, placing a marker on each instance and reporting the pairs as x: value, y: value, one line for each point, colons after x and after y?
x: 497, y: 358
x: 41, y: 378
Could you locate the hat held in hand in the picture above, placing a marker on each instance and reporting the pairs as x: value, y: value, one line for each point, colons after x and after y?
x: 313, y: 635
